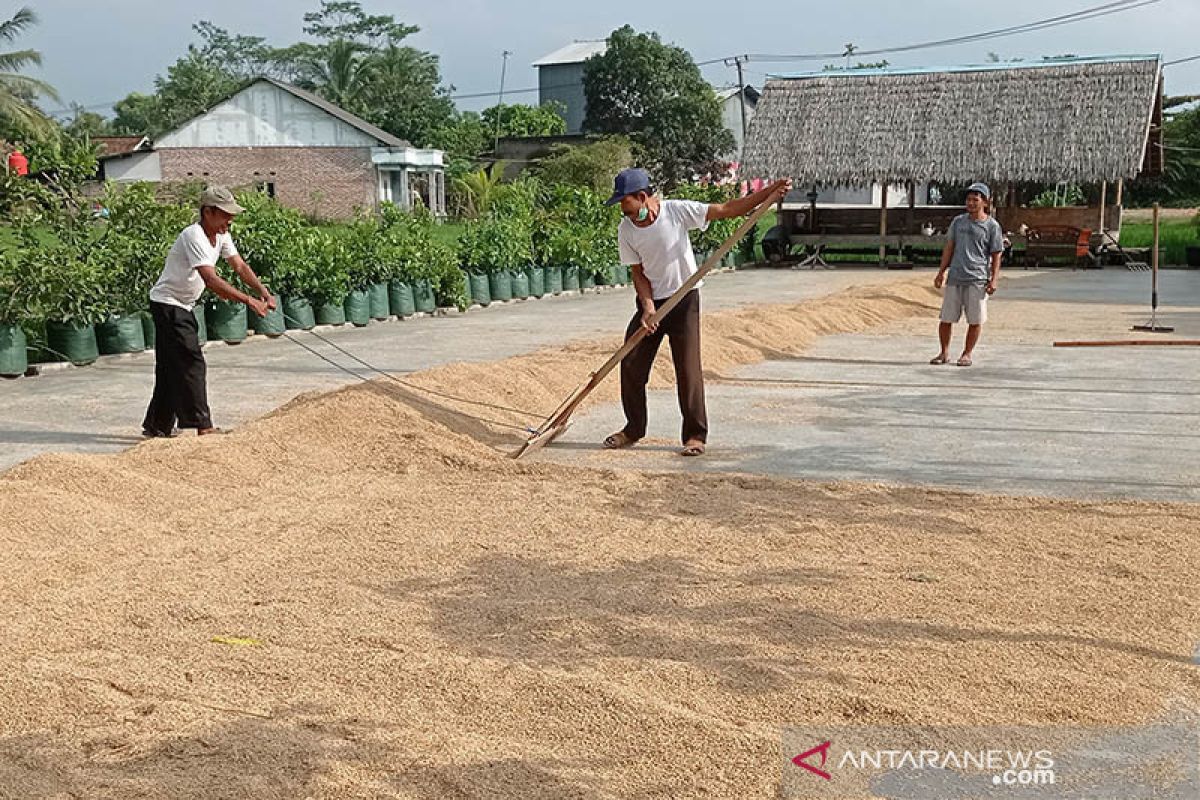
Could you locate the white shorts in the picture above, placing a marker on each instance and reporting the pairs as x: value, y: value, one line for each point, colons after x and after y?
x: 970, y: 298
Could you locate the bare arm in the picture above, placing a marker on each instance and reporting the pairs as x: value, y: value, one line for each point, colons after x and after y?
x: 947, y: 255
x: 246, y: 274
x: 996, y: 259
x: 645, y: 295
x: 251, y: 279
x: 744, y: 205
x: 223, y: 289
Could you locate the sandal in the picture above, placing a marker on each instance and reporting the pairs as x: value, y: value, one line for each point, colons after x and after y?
x: 619, y: 440
x: 692, y: 449
x: 965, y: 361
x: 940, y: 359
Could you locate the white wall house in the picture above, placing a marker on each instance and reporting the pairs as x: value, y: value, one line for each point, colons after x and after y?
x: 296, y: 146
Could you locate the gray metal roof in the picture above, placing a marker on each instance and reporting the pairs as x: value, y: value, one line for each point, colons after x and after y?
x: 574, y: 53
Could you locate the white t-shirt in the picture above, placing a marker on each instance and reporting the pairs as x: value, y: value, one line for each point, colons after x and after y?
x: 663, y: 248
x: 180, y: 284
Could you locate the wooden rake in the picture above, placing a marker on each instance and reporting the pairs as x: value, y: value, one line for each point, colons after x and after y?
x: 560, y: 420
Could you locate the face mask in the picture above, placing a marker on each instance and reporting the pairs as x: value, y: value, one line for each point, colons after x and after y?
x: 642, y: 214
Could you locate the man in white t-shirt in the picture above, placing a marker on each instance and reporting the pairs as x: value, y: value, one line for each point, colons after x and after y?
x: 653, y: 239
x: 180, y: 390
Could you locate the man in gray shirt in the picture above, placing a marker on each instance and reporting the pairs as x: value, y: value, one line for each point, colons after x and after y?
x: 974, y: 247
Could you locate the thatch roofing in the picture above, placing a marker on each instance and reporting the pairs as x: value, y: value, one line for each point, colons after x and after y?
x: 1078, y: 120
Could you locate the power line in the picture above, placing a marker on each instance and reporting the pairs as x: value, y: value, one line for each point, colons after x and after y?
x: 100, y: 106
x: 1113, y: 7
x: 1094, y: 12
x: 1105, y: 9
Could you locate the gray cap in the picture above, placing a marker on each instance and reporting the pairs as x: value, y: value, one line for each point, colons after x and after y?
x: 980, y: 189
x: 220, y: 197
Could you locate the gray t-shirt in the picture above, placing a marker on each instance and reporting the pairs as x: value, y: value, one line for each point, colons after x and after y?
x: 975, y: 241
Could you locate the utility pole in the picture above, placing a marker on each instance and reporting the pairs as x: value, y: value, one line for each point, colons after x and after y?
x: 738, y: 61
x: 500, y: 101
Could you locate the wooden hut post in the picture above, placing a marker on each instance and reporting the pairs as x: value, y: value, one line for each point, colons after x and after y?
x: 912, y: 208
x: 883, y: 223
x: 1120, y: 207
x: 1103, y: 206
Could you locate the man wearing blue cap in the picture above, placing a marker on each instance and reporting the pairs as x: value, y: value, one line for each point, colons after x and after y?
x: 970, y: 268
x: 653, y: 239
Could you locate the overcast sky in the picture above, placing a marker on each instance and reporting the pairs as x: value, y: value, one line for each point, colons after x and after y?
x: 97, y: 52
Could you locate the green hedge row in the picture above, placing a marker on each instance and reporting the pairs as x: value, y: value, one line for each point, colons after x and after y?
x: 74, y: 283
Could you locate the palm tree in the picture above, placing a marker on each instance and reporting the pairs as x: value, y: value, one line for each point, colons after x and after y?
x: 17, y: 92
x: 340, y: 71
x: 475, y: 191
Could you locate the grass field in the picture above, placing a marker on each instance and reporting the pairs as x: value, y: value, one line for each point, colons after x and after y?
x: 448, y: 232
x: 1174, y: 236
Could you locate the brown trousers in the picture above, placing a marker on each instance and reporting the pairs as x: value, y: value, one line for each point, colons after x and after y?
x: 682, y: 327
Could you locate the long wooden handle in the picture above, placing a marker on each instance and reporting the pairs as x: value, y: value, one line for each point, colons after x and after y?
x: 599, y: 375
x: 1134, y: 343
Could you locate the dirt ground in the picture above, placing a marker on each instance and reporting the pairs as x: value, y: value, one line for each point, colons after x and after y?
x: 361, y: 596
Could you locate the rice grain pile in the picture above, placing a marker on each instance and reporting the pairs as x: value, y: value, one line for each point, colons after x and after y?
x: 360, y: 595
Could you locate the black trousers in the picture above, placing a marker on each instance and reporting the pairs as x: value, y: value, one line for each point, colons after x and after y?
x: 180, y: 374
x: 682, y: 327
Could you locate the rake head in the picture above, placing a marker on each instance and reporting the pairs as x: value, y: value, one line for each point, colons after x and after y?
x: 539, y: 440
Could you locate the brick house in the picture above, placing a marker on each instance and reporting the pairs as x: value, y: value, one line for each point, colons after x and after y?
x: 296, y: 146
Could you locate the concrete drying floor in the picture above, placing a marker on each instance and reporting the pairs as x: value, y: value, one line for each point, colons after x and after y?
x: 99, y: 408
x: 1029, y: 418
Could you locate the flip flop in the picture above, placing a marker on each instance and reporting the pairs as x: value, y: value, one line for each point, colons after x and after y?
x: 965, y: 361
x: 940, y: 360
x: 619, y: 440
x: 696, y: 449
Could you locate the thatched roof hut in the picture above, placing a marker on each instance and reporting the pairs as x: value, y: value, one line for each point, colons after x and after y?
x: 1079, y: 120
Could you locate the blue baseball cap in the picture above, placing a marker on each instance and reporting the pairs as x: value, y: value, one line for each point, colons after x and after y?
x: 980, y: 189
x: 629, y: 181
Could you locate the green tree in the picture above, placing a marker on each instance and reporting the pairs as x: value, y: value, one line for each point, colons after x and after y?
x: 405, y: 96
x: 242, y: 57
x: 355, y: 60
x: 211, y: 70
x: 345, y: 20
x: 63, y: 164
x: 654, y: 94
x: 136, y: 114
x: 1179, y: 184
x: 464, y: 138
x: 360, y: 64
x: 86, y: 123
x: 468, y: 135
x: 525, y: 120
x: 472, y: 194
x: 192, y: 85
x: 18, y: 112
x: 339, y: 71
x: 590, y: 166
